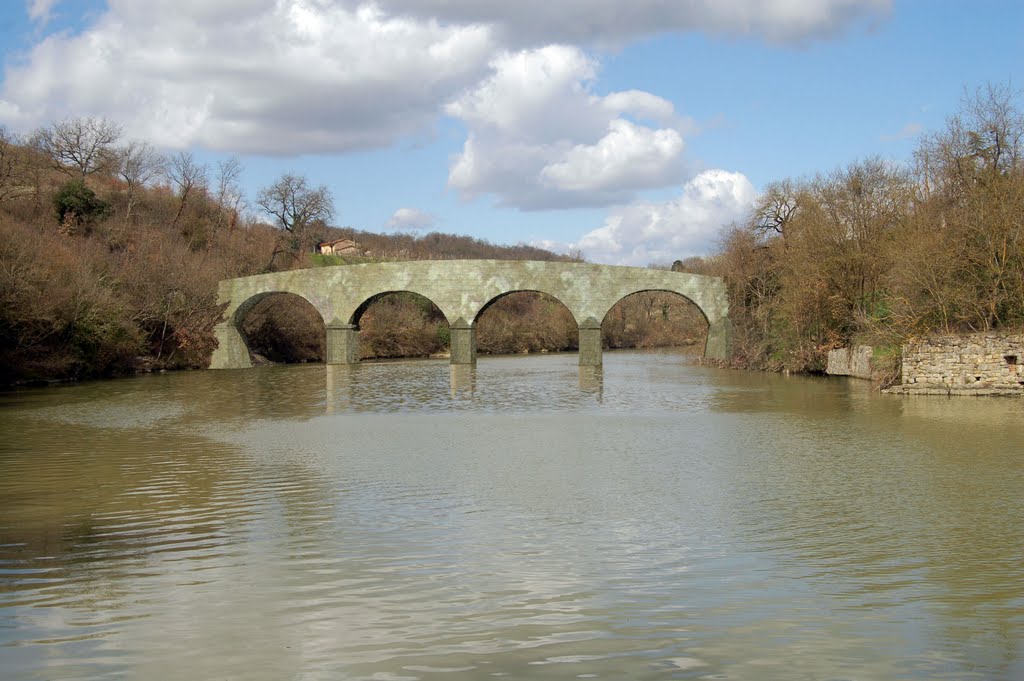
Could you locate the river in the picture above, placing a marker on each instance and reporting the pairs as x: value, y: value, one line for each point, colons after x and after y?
x: 526, y: 519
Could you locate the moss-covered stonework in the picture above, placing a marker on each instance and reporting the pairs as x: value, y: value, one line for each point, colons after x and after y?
x: 462, y: 289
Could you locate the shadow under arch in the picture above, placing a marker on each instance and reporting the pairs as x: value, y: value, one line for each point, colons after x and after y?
x: 525, y: 320
x: 281, y: 327
x: 400, y: 323
x: 655, y: 318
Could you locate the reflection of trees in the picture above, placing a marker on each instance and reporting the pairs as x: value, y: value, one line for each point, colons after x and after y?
x: 144, y: 536
x: 237, y: 397
x: 344, y: 534
x: 106, y: 498
x: 971, y: 472
x: 744, y: 392
x: 910, y: 507
x: 94, y: 508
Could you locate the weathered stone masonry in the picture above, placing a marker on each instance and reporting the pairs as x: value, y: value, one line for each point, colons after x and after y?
x: 855, y: 361
x: 983, y: 363
x: 462, y: 289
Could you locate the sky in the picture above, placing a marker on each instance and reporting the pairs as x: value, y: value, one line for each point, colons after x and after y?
x: 634, y: 132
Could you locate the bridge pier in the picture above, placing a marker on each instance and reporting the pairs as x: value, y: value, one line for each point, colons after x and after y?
x: 461, y: 289
x: 463, y: 343
x: 590, y: 343
x: 342, y: 343
x: 232, y: 351
x: 719, y: 343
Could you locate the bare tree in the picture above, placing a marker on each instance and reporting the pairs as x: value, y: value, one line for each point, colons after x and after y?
x: 12, y: 168
x: 776, y: 207
x: 981, y: 144
x: 300, y: 210
x: 80, y: 146
x: 995, y: 128
x: 229, y: 193
x: 188, y: 176
x: 294, y: 204
x: 139, y: 165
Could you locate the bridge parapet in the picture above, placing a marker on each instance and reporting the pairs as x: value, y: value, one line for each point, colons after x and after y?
x: 462, y: 289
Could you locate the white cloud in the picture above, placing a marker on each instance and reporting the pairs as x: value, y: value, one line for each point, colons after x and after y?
x: 40, y: 10
x: 410, y: 218
x: 539, y: 137
x: 537, y: 22
x: 536, y: 93
x: 628, y: 157
x: 322, y: 76
x: 644, y: 232
x: 641, y: 104
x: 272, y: 76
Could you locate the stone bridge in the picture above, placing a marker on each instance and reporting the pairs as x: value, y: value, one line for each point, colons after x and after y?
x: 462, y: 289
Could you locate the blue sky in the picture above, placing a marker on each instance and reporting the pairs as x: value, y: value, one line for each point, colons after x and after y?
x: 633, y: 131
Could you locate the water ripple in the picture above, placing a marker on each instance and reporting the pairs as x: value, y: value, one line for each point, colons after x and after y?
x: 527, y: 519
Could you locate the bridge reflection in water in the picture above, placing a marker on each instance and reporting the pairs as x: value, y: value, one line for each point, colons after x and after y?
x: 462, y: 290
x: 344, y: 389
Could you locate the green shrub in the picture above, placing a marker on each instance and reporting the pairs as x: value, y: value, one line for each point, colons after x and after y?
x: 76, y: 204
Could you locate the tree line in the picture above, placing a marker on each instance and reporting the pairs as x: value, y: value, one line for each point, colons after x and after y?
x: 877, y: 252
x: 110, y: 254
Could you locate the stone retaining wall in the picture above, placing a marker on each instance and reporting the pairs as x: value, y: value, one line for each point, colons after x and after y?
x: 855, y: 361
x: 983, y: 363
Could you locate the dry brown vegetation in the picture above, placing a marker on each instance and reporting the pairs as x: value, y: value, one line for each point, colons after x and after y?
x: 402, y: 325
x: 526, y: 322
x: 110, y: 254
x: 654, y: 319
x: 97, y: 279
x: 878, y: 253
x: 438, y: 246
x: 285, y: 328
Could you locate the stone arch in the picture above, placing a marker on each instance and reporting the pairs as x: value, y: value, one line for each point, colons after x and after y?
x: 462, y: 289
x: 670, y: 291
x: 361, y: 308
x: 525, y: 289
x: 404, y: 330
x: 525, y: 343
x: 238, y: 320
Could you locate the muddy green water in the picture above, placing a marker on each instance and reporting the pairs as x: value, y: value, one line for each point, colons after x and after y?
x: 528, y: 520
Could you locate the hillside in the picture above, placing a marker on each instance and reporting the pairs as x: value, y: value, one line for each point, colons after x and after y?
x: 109, y: 270
x: 110, y: 266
